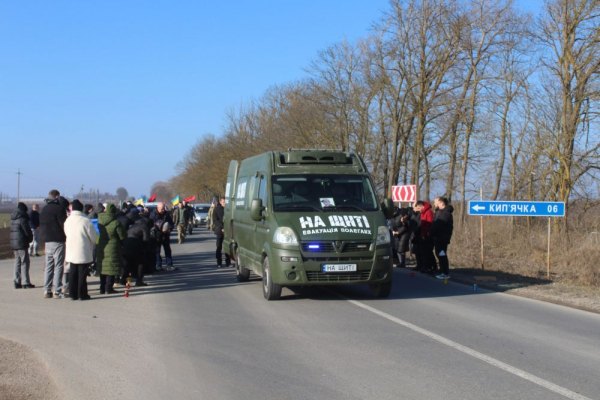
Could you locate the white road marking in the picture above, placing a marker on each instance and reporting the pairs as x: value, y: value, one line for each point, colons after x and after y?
x: 497, y: 363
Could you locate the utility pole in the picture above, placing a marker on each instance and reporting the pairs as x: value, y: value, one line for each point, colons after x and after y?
x: 19, y: 186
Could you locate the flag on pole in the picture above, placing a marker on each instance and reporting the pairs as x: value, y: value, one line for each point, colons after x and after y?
x: 152, y: 198
x: 175, y: 201
x: 139, y: 202
x: 188, y: 199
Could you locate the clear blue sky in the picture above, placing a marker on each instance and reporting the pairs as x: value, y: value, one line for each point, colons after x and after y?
x: 114, y: 93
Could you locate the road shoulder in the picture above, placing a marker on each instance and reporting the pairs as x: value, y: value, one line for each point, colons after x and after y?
x: 23, y: 374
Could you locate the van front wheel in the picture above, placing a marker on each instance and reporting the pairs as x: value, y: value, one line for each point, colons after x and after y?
x: 271, y: 291
x: 381, y: 290
x: 242, y: 273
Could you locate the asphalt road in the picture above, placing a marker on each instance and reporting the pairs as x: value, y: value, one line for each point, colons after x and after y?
x: 196, y: 333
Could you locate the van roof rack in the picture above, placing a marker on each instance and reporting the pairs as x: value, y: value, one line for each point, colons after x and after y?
x: 314, y: 157
x: 327, y: 150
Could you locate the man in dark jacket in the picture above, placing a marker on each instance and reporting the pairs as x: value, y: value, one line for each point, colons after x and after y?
x: 34, y: 224
x: 161, y: 214
x: 135, y: 247
x: 20, y: 237
x: 127, y: 219
x: 401, y: 231
x: 219, y: 225
x: 415, y: 242
x: 441, y: 233
x: 95, y: 211
x: 52, y: 220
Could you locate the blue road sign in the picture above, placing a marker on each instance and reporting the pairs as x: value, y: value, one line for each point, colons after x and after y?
x: 517, y: 208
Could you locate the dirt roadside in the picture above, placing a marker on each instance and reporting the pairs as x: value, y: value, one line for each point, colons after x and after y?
x: 23, y: 375
x: 580, y: 297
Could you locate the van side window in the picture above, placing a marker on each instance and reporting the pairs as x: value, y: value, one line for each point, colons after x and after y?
x: 240, y: 193
x: 262, y: 191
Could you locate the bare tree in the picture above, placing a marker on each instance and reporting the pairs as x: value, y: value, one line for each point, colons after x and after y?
x: 569, y: 32
x: 122, y: 194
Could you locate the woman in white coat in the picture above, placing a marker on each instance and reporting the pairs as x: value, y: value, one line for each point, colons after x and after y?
x: 81, y: 240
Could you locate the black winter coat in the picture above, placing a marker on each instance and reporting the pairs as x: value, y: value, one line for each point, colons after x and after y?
x: 127, y: 220
x: 443, y: 225
x: 218, y: 219
x: 52, y: 221
x: 404, y: 231
x: 34, y: 219
x: 20, y: 232
x: 138, y: 237
x: 165, y: 216
x: 415, y: 223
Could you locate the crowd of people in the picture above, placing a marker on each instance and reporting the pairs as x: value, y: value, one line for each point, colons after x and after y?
x: 118, y: 244
x: 82, y: 240
x: 423, y: 233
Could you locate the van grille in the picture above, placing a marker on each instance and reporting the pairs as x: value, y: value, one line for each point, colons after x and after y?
x: 340, y: 259
x: 329, y: 246
x: 316, y: 276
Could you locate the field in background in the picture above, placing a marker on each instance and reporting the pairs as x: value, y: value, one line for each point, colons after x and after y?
x: 4, y: 220
x: 513, y: 248
x: 5, y: 250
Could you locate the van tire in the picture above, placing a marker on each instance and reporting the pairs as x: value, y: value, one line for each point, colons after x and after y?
x: 242, y: 274
x: 381, y: 290
x: 271, y: 291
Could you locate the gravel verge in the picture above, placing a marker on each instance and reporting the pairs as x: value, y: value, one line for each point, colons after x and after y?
x: 23, y: 374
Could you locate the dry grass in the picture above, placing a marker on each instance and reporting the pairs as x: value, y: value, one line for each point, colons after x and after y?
x: 512, y: 248
x: 5, y: 220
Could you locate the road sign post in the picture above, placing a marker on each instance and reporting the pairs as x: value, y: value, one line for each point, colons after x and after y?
x: 519, y: 209
x: 548, y: 266
x: 482, y: 233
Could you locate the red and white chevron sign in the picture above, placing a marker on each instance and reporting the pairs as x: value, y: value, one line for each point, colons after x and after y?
x: 404, y: 193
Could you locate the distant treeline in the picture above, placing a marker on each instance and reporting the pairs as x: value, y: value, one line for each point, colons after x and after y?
x: 448, y: 95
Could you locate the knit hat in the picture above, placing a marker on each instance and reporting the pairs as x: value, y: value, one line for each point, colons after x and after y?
x: 76, y: 205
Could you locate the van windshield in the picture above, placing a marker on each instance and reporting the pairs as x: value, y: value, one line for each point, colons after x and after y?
x: 322, y: 193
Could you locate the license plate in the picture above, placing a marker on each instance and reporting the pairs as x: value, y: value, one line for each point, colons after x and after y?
x: 338, y: 267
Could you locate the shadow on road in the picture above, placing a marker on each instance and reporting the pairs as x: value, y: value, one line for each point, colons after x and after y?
x: 198, y: 271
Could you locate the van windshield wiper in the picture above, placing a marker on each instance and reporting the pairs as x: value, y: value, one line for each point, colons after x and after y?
x: 298, y: 207
x: 341, y: 206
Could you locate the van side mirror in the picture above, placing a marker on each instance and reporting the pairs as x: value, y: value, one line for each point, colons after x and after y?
x: 387, y: 206
x: 256, y: 209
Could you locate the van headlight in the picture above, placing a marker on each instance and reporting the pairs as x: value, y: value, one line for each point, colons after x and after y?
x: 285, y: 235
x: 383, y: 235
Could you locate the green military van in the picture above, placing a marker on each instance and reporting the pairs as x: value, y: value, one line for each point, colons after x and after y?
x: 307, y: 217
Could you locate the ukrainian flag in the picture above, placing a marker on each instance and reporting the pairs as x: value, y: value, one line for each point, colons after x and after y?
x: 175, y: 201
x: 139, y: 202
